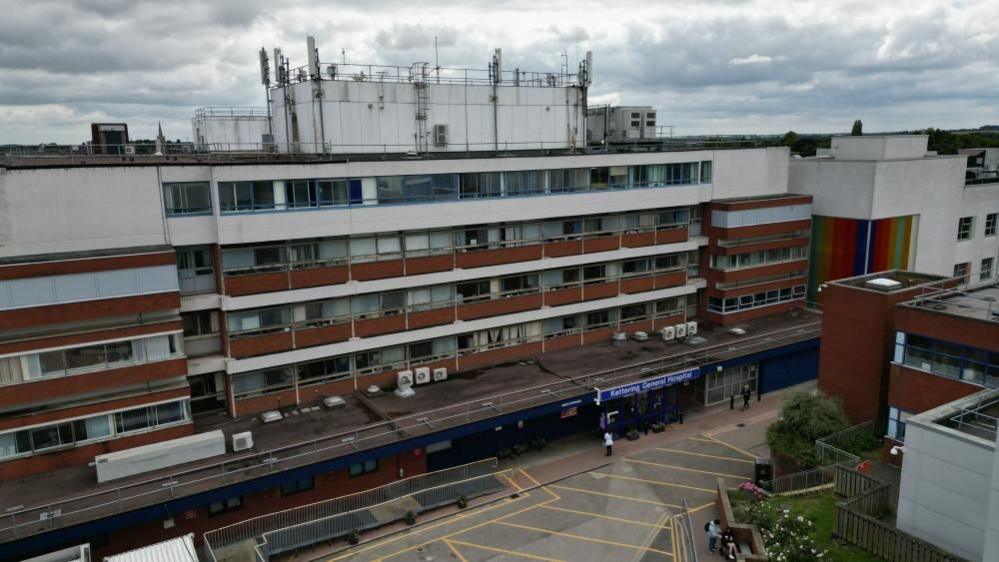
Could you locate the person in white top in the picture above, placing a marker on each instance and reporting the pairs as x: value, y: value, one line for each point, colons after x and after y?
x: 608, y: 442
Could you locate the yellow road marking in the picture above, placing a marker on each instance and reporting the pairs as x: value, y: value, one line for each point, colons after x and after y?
x: 504, y: 551
x: 672, y: 522
x: 529, y: 477
x: 628, y: 498
x: 656, y: 482
x: 512, y: 483
x: 733, y: 459
x: 696, y: 509
x: 455, y: 551
x: 465, y: 530
x: 420, y: 530
x: 612, y: 518
x: 585, y: 539
x: 730, y: 446
x: 669, y: 466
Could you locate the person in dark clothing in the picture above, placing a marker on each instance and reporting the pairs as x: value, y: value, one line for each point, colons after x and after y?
x: 746, y: 395
x: 728, y: 548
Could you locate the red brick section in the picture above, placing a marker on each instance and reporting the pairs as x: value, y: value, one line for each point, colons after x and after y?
x: 740, y: 317
x: 66, y: 267
x: 497, y: 307
x: 857, y: 343
x: 376, y: 270
x: 759, y: 230
x: 716, y: 249
x: 956, y: 329
x: 326, y: 486
x: 72, y: 385
x: 759, y: 272
x: 94, y: 408
x: 89, y: 310
x: 917, y: 391
x: 763, y: 203
x: 85, y: 337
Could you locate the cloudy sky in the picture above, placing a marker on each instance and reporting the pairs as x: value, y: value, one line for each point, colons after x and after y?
x: 714, y: 66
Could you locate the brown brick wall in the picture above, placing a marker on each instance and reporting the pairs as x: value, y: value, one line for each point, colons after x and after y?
x: 88, y: 310
x: 66, y: 267
x: 86, y: 337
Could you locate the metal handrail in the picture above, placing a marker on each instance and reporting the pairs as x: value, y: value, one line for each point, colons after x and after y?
x: 117, y: 500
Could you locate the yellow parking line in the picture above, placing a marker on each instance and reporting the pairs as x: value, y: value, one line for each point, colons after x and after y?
x: 671, y: 467
x: 656, y: 482
x: 455, y: 551
x: 512, y: 483
x: 598, y: 516
x: 529, y: 477
x: 730, y: 446
x: 672, y: 524
x: 507, y: 552
x: 585, y: 539
x: 733, y: 459
x: 420, y: 530
x: 628, y: 498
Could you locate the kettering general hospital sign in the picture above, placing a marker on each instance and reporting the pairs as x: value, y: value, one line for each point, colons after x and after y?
x: 654, y: 383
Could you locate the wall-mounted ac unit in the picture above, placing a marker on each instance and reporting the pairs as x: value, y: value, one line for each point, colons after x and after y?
x: 242, y: 441
x: 440, y: 135
x: 681, y: 330
x: 668, y: 333
x: 404, y: 384
x: 422, y: 375
x: 640, y: 336
x: 691, y: 328
x: 440, y: 374
x: 130, y: 149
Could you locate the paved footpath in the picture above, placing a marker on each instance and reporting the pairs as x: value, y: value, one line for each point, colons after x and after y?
x: 570, y: 502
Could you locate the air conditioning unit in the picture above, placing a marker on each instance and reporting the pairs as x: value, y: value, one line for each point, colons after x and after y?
x: 422, y: 375
x: 334, y: 402
x: 668, y: 333
x: 619, y: 338
x: 681, y: 330
x: 130, y: 149
x: 242, y: 441
x: 271, y: 416
x: 691, y: 328
x: 640, y: 336
x: 440, y: 135
x: 404, y: 384
x: 440, y: 374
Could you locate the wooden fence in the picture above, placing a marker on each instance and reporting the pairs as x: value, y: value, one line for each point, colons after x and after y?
x: 857, y: 521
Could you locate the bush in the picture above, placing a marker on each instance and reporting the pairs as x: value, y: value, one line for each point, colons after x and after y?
x: 354, y: 537
x: 519, y: 449
x: 462, y: 502
x: 804, y: 418
x: 410, y: 518
x: 633, y: 434
x: 504, y: 454
x: 787, y: 537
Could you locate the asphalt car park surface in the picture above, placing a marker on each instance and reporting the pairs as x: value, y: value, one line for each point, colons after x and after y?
x: 622, y: 511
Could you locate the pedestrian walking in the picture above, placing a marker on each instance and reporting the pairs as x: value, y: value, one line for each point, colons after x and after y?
x: 746, y: 395
x: 608, y: 442
x: 713, y: 528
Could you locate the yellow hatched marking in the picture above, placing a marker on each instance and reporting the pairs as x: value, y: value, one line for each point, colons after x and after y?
x: 733, y: 459
x: 585, y: 539
x: 504, y: 551
x: 610, y: 517
x: 536, y: 483
x: 512, y: 483
x: 671, y: 467
x: 656, y: 482
x: 420, y: 530
x: 455, y: 551
x: 730, y: 446
x: 620, y: 497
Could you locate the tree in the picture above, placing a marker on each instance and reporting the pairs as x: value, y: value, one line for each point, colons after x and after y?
x: 804, y: 418
x: 858, y: 128
x: 789, y: 138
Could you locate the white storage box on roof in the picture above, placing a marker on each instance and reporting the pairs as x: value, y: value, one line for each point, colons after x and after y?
x: 180, y: 549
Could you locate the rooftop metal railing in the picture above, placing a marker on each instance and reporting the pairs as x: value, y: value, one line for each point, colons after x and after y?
x: 25, y: 521
x: 231, y: 111
x: 424, y: 73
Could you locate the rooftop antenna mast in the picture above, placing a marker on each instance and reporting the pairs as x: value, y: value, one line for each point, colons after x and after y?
x: 265, y: 80
x: 437, y: 60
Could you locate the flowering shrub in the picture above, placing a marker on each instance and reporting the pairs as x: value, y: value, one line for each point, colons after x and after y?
x: 787, y: 537
x: 752, y: 491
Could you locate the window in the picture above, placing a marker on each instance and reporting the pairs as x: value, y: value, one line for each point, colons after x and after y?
x: 486, y: 184
x: 755, y: 300
x: 961, y: 270
x: 706, y: 171
x: 986, y: 273
x: 896, y: 423
x: 147, y: 417
x: 966, y: 228
x: 187, y: 198
x: 246, y: 195
x: 297, y: 486
x: 195, y: 270
x: 365, y: 467
x: 225, y: 506
x: 990, y: 224
x: 577, y: 179
x: 200, y: 323
x: 719, y: 387
x: 525, y: 183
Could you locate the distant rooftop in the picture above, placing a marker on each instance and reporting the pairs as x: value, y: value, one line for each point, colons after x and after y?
x: 891, y: 281
x: 980, y: 304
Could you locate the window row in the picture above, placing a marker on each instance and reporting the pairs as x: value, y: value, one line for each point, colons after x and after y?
x: 390, y: 303
x: 395, y: 245
x: 947, y: 359
x: 760, y: 258
x: 401, y: 356
x: 966, y: 226
x: 91, y: 429
x: 248, y: 196
x: 84, y: 359
x: 763, y: 298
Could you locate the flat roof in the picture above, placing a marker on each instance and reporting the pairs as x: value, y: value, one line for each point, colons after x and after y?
x: 316, y: 434
x: 904, y: 280
x: 976, y: 416
x: 981, y: 303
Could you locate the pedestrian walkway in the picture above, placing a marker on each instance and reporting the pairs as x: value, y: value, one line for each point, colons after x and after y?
x: 571, y: 502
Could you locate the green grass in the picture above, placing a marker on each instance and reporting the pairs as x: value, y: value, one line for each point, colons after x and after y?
x: 821, y: 509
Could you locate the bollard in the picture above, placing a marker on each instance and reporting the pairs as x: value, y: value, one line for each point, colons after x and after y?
x: 731, y: 403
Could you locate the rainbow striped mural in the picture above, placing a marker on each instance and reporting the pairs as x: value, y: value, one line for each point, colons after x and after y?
x: 847, y: 247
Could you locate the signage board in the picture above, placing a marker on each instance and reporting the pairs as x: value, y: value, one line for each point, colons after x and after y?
x: 644, y: 385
